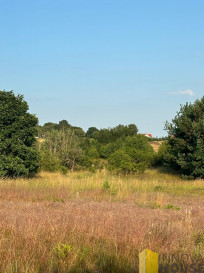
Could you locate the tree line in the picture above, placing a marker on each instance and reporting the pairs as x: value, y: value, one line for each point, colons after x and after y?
x: 65, y: 147
x: 26, y: 147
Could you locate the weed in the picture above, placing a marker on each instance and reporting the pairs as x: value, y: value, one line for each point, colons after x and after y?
x: 171, y: 206
x: 150, y: 205
x: 58, y: 200
x: 62, y: 250
x: 156, y: 205
x: 106, y: 186
x: 158, y: 188
x: 63, y: 170
x: 199, y: 238
x: 114, y: 191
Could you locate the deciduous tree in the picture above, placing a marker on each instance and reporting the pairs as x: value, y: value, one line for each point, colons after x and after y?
x: 18, y: 156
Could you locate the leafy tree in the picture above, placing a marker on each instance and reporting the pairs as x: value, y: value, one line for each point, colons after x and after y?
x: 108, y: 149
x: 121, y: 161
x: 18, y: 156
x: 102, y: 136
x: 105, y: 136
x: 91, y: 131
x: 93, y: 153
x: 63, y: 125
x: 186, y: 145
x: 139, y: 149
x: 63, y: 145
x: 135, y: 155
x: 46, y: 128
x: 49, y: 162
x: 161, y: 153
x: 78, y: 131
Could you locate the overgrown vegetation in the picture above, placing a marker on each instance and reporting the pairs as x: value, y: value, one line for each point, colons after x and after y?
x: 97, y: 222
x: 119, y: 149
x: 101, y: 202
x: 123, y: 150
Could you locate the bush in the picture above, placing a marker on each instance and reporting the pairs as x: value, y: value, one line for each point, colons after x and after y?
x: 161, y: 153
x: 106, y: 186
x: 49, y: 162
x: 135, y: 155
x: 120, y: 161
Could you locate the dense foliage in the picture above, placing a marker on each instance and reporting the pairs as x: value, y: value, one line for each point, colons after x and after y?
x: 62, y: 125
x: 134, y: 155
x: 65, y: 147
x: 18, y: 155
x: 119, y: 148
x: 61, y: 148
x: 185, y: 147
x: 105, y: 136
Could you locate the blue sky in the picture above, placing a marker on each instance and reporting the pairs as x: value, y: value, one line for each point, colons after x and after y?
x: 103, y: 62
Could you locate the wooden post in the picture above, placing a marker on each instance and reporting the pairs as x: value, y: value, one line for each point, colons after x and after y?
x: 148, y: 262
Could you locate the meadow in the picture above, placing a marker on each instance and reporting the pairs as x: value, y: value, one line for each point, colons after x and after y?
x: 97, y: 222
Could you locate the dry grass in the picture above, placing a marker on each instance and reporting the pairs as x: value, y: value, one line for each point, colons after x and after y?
x: 156, y: 145
x: 73, y: 223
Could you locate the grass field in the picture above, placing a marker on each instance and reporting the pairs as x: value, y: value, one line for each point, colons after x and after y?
x: 97, y: 222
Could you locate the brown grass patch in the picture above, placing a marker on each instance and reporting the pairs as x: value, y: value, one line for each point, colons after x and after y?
x: 105, y: 231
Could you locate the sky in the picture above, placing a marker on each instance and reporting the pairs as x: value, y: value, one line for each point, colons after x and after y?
x: 103, y: 62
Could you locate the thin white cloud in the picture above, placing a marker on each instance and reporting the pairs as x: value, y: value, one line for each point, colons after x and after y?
x: 187, y: 92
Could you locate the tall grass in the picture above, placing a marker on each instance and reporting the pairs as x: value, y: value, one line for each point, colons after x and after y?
x: 85, y: 222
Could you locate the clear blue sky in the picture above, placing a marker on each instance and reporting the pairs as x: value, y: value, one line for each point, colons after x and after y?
x: 103, y: 62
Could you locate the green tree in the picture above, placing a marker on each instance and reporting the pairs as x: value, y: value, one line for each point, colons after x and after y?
x: 49, y: 162
x: 108, y: 149
x: 63, y: 125
x: 121, y: 162
x: 78, y: 131
x: 161, y: 153
x: 105, y: 136
x: 18, y: 155
x: 46, y: 128
x: 134, y: 155
x: 91, y: 131
x: 64, y: 146
x: 185, y: 151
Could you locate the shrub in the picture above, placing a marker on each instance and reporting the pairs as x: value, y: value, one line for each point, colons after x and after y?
x: 120, y: 161
x: 135, y: 155
x: 48, y: 162
x: 170, y: 206
x: 106, y: 186
x: 62, y: 250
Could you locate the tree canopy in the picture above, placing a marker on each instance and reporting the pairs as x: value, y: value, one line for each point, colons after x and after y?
x: 134, y: 154
x: 61, y: 147
x: 185, y: 148
x: 18, y: 156
x: 105, y: 136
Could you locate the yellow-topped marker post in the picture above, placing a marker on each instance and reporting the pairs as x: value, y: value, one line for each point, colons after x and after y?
x: 148, y: 262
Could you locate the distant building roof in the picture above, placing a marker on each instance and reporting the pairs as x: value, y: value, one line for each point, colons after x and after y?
x: 147, y: 135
